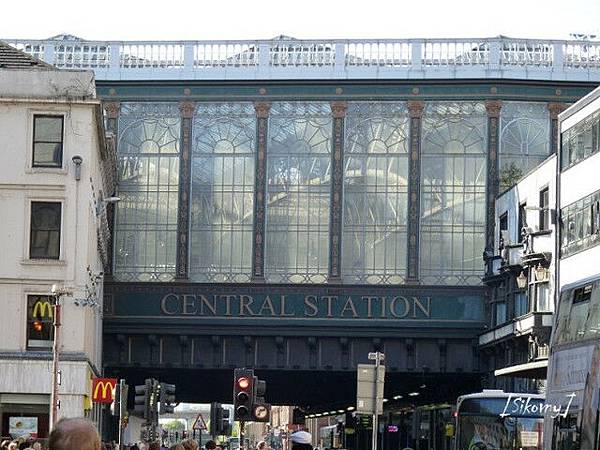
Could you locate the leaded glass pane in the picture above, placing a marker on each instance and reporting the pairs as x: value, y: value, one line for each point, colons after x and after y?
x: 375, y: 193
x: 146, y: 216
x: 524, y: 139
x: 453, y: 181
x: 298, y: 192
x: 222, y: 202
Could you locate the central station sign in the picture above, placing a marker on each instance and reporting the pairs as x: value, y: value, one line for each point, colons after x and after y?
x: 293, y: 303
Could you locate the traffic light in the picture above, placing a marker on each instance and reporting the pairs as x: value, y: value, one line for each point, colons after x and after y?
x: 142, y: 399
x: 219, y: 420
x: 167, y: 398
x: 243, y: 394
x: 261, y: 411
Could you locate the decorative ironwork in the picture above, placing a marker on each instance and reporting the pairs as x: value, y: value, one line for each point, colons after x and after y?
x: 338, y: 110
x: 258, y: 243
x: 112, y: 110
x: 375, y: 193
x: 493, y: 111
x: 415, y: 109
x: 186, y: 109
x: 298, y: 192
x: 223, y: 160
x: 453, y: 190
x: 146, y: 217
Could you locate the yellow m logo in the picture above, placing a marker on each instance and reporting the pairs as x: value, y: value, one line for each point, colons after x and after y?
x: 106, y: 387
x: 42, y: 309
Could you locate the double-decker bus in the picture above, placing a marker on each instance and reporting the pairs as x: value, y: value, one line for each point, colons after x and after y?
x: 497, y: 420
x: 574, y: 369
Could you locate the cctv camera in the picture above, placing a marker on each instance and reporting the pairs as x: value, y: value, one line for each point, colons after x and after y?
x: 77, y: 159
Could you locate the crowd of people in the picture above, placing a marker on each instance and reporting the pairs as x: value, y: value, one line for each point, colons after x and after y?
x: 81, y: 434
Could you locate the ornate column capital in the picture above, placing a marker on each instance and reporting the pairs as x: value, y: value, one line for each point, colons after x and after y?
x: 415, y: 109
x: 186, y: 109
x: 112, y: 109
x: 493, y: 108
x: 338, y: 109
x: 262, y: 109
x: 555, y: 109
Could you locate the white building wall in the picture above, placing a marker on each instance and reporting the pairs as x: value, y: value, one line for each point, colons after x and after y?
x: 24, y: 93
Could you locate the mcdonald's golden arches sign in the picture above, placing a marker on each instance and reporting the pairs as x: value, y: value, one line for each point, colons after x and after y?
x: 102, y: 390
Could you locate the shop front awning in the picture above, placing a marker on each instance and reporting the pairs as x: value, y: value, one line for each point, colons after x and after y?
x: 535, y: 369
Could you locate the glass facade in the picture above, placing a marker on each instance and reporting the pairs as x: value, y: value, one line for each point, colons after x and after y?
x: 453, y: 182
x: 298, y: 189
x: 298, y: 192
x: 581, y: 141
x: 146, y: 217
x: 222, y: 200
x: 375, y: 193
x: 524, y: 139
x: 581, y: 225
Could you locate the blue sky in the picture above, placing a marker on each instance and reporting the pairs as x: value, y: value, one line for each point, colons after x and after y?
x: 253, y: 19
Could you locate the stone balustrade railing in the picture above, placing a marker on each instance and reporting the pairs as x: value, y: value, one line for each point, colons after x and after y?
x: 286, y: 58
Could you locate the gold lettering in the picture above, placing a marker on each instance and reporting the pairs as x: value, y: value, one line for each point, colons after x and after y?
x: 282, y: 302
x: 369, y: 305
x: 189, y: 300
x: 245, y: 303
x: 267, y: 305
x: 310, y: 301
x: 426, y: 309
x: 383, y: 307
x: 352, y: 308
x: 164, y: 303
x: 406, y: 307
x: 211, y: 306
x: 329, y: 299
x: 228, y: 299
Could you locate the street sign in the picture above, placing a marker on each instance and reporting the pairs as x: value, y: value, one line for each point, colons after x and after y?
x: 369, y: 389
x: 199, y: 423
x: 102, y: 390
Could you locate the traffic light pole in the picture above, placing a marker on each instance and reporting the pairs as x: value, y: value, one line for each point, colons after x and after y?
x: 242, y: 435
x: 121, y: 393
x: 55, y: 361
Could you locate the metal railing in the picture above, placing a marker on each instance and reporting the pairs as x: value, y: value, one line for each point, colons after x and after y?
x: 292, y: 58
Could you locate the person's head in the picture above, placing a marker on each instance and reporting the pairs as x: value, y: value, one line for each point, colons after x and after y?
x: 301, y: 440
x: 176, y: 447
x: 13, y: 446
x: 154, y: 446
x: 210, y: 445
x: 189, y: 444
x: 74, y: 434
x: 37, y: 446
x: 262, y: 445
x: 4, y: 444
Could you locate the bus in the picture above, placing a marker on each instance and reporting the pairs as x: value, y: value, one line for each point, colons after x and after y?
x: 574, y: 369
x: 497, y: 420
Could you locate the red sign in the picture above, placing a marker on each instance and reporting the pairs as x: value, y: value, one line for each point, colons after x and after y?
x: 102, y: 389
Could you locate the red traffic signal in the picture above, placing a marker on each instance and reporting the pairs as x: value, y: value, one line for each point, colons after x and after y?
x: 243, y: 394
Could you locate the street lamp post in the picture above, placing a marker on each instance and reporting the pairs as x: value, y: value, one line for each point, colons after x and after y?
x: 57, y: 293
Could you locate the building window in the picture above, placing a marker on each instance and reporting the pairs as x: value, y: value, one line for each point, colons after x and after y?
x: 40, y: 332
x: 524, y: 140
x: 500, y: 313
x: 581, y: 141
x: 522, y: 221
x: 581, y: 224
x: 542, y: 298
x: 502, y: 237
x: 521, y: 304
x: 453, y: 200
x: 45, y: 230
x: 222, y: 201
x: 375, y: 193
x: 146, y: 217
x: 298, y: 193
x: 544, y: 209
x: 47, y: 141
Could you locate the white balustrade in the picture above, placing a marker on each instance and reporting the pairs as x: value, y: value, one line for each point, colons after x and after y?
x: 287, y: 58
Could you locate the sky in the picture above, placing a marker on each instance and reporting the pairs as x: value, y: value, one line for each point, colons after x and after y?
x: 308, y: 19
